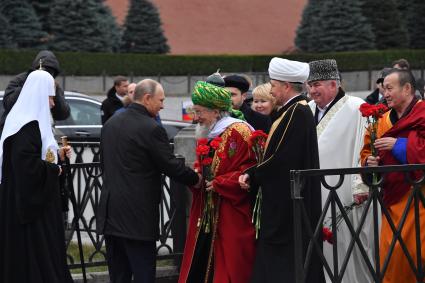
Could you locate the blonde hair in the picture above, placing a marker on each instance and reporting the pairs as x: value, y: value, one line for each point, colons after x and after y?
x: 263, y: 92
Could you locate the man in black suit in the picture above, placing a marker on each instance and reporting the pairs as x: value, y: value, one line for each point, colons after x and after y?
x: 238, y: 87
x: 134, y: 153
x: 116, y: 98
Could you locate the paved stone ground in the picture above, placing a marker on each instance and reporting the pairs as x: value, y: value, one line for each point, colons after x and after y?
x: 168, y: 274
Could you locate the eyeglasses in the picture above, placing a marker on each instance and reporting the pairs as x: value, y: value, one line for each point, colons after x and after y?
x: 200, y: 112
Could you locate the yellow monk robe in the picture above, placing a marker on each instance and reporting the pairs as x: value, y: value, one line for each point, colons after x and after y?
x: 397, y: 191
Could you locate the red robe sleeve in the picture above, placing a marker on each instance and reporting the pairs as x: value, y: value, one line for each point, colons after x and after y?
x: 416, y: 147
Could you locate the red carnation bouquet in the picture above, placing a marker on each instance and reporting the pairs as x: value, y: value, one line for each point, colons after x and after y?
x: 372, y: 114
x: 205, y: 153
x: 257, y: 142
x: 327, y: 225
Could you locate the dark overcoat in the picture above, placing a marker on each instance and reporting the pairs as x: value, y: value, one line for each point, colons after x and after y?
x: 110, y: 105
x: 292, y: 146
x: 135, y: 151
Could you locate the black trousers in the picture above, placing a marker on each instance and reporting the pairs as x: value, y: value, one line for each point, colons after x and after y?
x: 127, y: 258
x: 273, y: 263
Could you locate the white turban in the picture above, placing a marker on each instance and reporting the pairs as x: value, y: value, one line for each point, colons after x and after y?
x: 288, y: 71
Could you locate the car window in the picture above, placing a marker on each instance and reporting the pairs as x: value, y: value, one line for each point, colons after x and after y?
x: 171, y: 130
x: 83, y: 112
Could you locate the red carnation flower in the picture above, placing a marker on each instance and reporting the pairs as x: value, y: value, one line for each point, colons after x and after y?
x: 203, y: 141
x: 258, y: 133
x: 218, y: 139
x: 376, y: 111
x: 222, y: 155
x: 202, y: 150
x: 215, y: 143
x: 206, y: 161
x: 367, y: 109
x: 327, y: 235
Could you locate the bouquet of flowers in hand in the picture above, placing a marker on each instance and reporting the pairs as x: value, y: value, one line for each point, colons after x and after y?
x: 205, y: 155
x: 257, y: 142
x: 372, y: 114
x: 327, y: 224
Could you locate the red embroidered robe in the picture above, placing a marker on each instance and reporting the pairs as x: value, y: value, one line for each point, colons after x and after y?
x: 234, y: 238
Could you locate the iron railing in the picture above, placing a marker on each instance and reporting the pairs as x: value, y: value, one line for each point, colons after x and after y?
x: 336, y: 272
x: 87, y: 185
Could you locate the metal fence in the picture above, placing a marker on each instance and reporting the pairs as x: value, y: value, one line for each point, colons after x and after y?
x: 335, y: 271
x: 86, y: 186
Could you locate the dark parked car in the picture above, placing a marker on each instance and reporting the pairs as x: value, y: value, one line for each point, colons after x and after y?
x: 84, y: 123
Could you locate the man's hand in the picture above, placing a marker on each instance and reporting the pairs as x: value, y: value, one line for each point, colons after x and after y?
x: 372, y: 161
x: 360, y: 197
x: 244, y: 181
x: 65, y: 150
x: 209, y: 186
x: 385, y: 143
x: 198, y: 185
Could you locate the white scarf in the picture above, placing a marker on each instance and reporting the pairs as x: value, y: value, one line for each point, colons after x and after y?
x: 32, y: 105
x: 222, y: 125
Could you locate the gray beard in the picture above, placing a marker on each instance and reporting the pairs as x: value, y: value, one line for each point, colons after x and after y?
x: 201, y: 131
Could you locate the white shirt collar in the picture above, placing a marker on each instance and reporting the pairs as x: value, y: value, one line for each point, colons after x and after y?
x: 326, y: 106
x: 121, y: 98
x: 291, y: 99
x: 323, y: 110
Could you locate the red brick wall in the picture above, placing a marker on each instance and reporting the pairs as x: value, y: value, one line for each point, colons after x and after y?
x: 225, y: 26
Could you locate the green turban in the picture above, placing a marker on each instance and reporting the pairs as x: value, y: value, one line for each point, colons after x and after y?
x: 211, y: 96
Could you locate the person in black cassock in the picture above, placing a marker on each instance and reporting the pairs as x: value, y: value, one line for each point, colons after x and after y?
x: 32, y: 240
x: 44, y: 60
x: 238, y: 87
x: 291, y: 145
x: 134, y: 153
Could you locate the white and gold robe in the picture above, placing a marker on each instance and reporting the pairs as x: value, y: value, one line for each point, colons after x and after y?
x: 340, y: 137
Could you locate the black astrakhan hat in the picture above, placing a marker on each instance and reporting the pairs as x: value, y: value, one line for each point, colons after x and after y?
x: 323, y: 70
x: 238, y: 82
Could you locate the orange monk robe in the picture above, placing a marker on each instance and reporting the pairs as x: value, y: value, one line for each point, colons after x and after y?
x: 397, y: 191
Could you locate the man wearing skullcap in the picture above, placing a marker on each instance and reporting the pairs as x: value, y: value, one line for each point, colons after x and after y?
x: 340, y: 129
x: 291, y: 145
x: 238, y: 87
x: 220, y: 246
